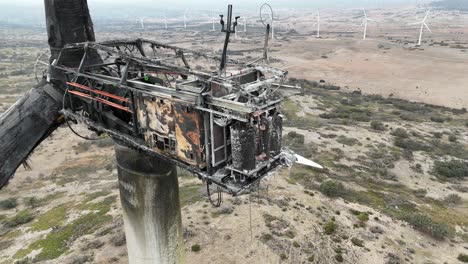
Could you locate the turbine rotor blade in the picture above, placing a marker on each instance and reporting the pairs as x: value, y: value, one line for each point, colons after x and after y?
x: 427, y: 27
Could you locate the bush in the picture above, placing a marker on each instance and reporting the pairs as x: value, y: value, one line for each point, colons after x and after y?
x: 451, y: 169
x: 363, y: 217
x: 332, y: 188
x: 330, y: 227
x: 452, y: 138
x: 357, y: 242
x: 463, y: 258
x: 32, y: 202
x: 452, y: 199
x: 119, y: 239
x: 22, y: 217
x: 377, y: 125
x: 440, y: 231
x: 9, y: 203
x: 425, y: 224
x: 266, y: 237
x: 437, y: 119
x: 196, y: 248
x: 339, y: 257
x: 412, y: 145
x: 347, y: 141
x: 400, y: 132
x: 311, y: 258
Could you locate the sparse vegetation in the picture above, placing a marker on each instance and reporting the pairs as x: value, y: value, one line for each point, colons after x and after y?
x: 377, y: 125
x: 22, y: 217
x: 332, y: 188
x: 9, y: 203
x: 330, y: 227
x: 463, y: 257
x: 451, y: 169
x: 196, y: 248
x: 357, y: 242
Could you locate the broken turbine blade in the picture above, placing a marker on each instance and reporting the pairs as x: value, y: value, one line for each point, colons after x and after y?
x: 307, y: 162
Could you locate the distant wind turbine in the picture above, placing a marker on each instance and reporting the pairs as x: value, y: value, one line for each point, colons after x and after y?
x: 366, y: 19
x: 185, y: 22
x: 142, y: 23
x: 165, y: 20
x: 423, y: 24
x: 213, y: 22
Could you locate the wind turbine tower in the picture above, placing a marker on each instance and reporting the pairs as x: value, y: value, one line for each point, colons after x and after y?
x: 423, y: 24
x: 165, y: 20
x: 272, y: 29
x: 213, y: 22
x: 245, y: 25
x: 318, y: 24
x: 185, y: 22
x: 142, y: 23
x: 366, y: 19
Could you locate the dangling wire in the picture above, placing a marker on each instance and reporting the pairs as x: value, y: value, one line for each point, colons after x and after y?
x: 250, y: 218
x: 220, y: 196
x: 68, y: 123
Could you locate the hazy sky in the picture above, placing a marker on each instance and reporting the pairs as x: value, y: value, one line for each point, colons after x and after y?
x: 31, y: 11
x: 210, y: 3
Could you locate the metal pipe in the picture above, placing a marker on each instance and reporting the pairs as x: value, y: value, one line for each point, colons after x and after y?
x: 149, y: 194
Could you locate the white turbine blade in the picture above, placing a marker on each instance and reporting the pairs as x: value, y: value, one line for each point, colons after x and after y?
x: 427, y: 27
x: 415, y: 23
x: 369, y: 19
x: 307, y: 162
x: 425, y: 17
x: 365, y: 14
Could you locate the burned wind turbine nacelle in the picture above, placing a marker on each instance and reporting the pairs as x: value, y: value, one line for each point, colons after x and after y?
x: 225, y: 127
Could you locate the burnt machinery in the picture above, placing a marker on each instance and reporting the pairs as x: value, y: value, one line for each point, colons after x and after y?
x: 224, y: 125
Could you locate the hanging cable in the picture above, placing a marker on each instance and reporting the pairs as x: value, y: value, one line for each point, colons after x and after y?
x: 68, y: 123
x: 219, y: 194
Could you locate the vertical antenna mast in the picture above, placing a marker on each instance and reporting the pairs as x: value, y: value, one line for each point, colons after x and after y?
x: 228, y: 28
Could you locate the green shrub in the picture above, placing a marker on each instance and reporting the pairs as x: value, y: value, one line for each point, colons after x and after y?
x: 196, y: 248
x: 283, y: 256
x: 266, y: 237
x: 363, y: 217
x: 32, y: 202
x: 8, y: 203
x: 440, y: 231
x: 347, y: 141
x: 296, y: 244
x: 425, y: 224
x: 451, y: 169
x: 400, y: 132
x: 452, y: 138
x: 377, y: 125
x: 463, y: 258
x: 330, y: 227
x: 22, y: 217
x: 452, y: 199
x: 412, y: 145
x: 332, y: 188
x: 437, y: 119
x: 311, y: 258
x: 357, y: 242
x: 339, y: 257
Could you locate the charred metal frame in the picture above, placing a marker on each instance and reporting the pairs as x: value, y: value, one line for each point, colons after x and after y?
x: 122, y: 94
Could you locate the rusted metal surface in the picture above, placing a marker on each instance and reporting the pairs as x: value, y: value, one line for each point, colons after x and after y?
x: 189, y: 132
